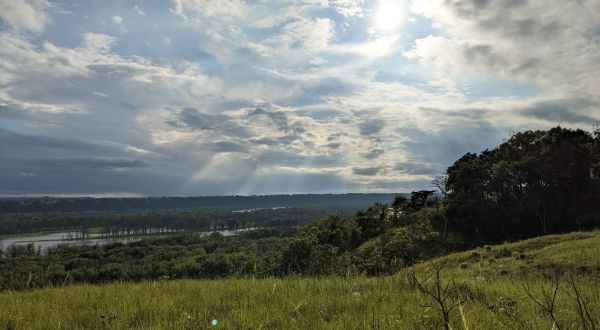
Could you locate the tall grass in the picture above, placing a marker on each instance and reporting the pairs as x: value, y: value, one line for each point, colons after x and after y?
x: 488, y: 284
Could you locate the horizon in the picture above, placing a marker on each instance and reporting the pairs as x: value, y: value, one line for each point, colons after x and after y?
x: 234, y: 97
x: 115, y: 196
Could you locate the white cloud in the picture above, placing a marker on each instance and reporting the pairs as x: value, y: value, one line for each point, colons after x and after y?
x: 139, y: 10
x: 223, y: 9
x: 98, y: 43
x: 558, y: 49
x: 308, y: 34
x: 100, y: 94
x: 349, y: 8
x: 117, y: 20
x: 28, y: 15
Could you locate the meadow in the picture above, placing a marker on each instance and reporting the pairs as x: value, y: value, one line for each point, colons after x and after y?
x: 491, y: 287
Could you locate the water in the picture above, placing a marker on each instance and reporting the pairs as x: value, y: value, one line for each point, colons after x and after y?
x: 260, y: 209
x: 52, y: 240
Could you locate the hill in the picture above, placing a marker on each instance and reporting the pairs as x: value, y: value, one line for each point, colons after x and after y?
x: 493, y: 287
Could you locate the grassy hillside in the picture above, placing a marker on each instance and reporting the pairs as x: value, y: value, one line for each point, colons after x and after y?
x: 489, y: 283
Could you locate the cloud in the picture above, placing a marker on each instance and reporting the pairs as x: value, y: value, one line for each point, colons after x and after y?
x: 288, y: 158
x: 27, y: 15
x: 349, y: 8
x: 373, y: 153
x: 207, y: 8
x: 98, y: 43
x: 117, y: 20
x: 280, y: 119
x: 368, y: 171
x: 509, y: 38
x: 211, y: 97
x: 418, y: 168
x: 308, y: 34
x: 333, y: 145
x: 139, y: 10
x: 88, y: 163
x: 227, y: 146
x: 576, y: 111
x: 46, y: 164
x: 195, y: 119
x: 371, y: 126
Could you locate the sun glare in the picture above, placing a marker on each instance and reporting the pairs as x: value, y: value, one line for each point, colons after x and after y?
x: 389, y: 15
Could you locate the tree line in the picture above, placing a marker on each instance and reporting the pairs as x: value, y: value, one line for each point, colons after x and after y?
x: 88, y: 204
x: 536, y: 183
x: 111, y: 224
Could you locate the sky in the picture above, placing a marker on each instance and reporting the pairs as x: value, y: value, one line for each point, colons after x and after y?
x: 225, y: 97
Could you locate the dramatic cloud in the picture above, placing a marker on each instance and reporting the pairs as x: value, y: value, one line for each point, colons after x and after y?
x: 553, y: 43
x: 198, y: 97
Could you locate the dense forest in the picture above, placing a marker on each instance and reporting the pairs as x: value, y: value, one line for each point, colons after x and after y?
x: 57, y: 204
x: 196, y: 220
x: 536, y: 183
x: 182, y: 256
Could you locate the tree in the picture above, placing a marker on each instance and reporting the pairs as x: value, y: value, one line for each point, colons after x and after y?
x: 441, y: 183
x: 372, y: 221
x: 537, y: 182
x: 420, y: 199
x: 400, y: 207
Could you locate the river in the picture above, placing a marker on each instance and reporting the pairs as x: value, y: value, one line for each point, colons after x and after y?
x: 50, y: 240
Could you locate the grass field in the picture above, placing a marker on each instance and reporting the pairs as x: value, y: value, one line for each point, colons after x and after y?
x: 488, y: 284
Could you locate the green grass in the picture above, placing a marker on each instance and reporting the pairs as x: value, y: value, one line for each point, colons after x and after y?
x: 489, y: 282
